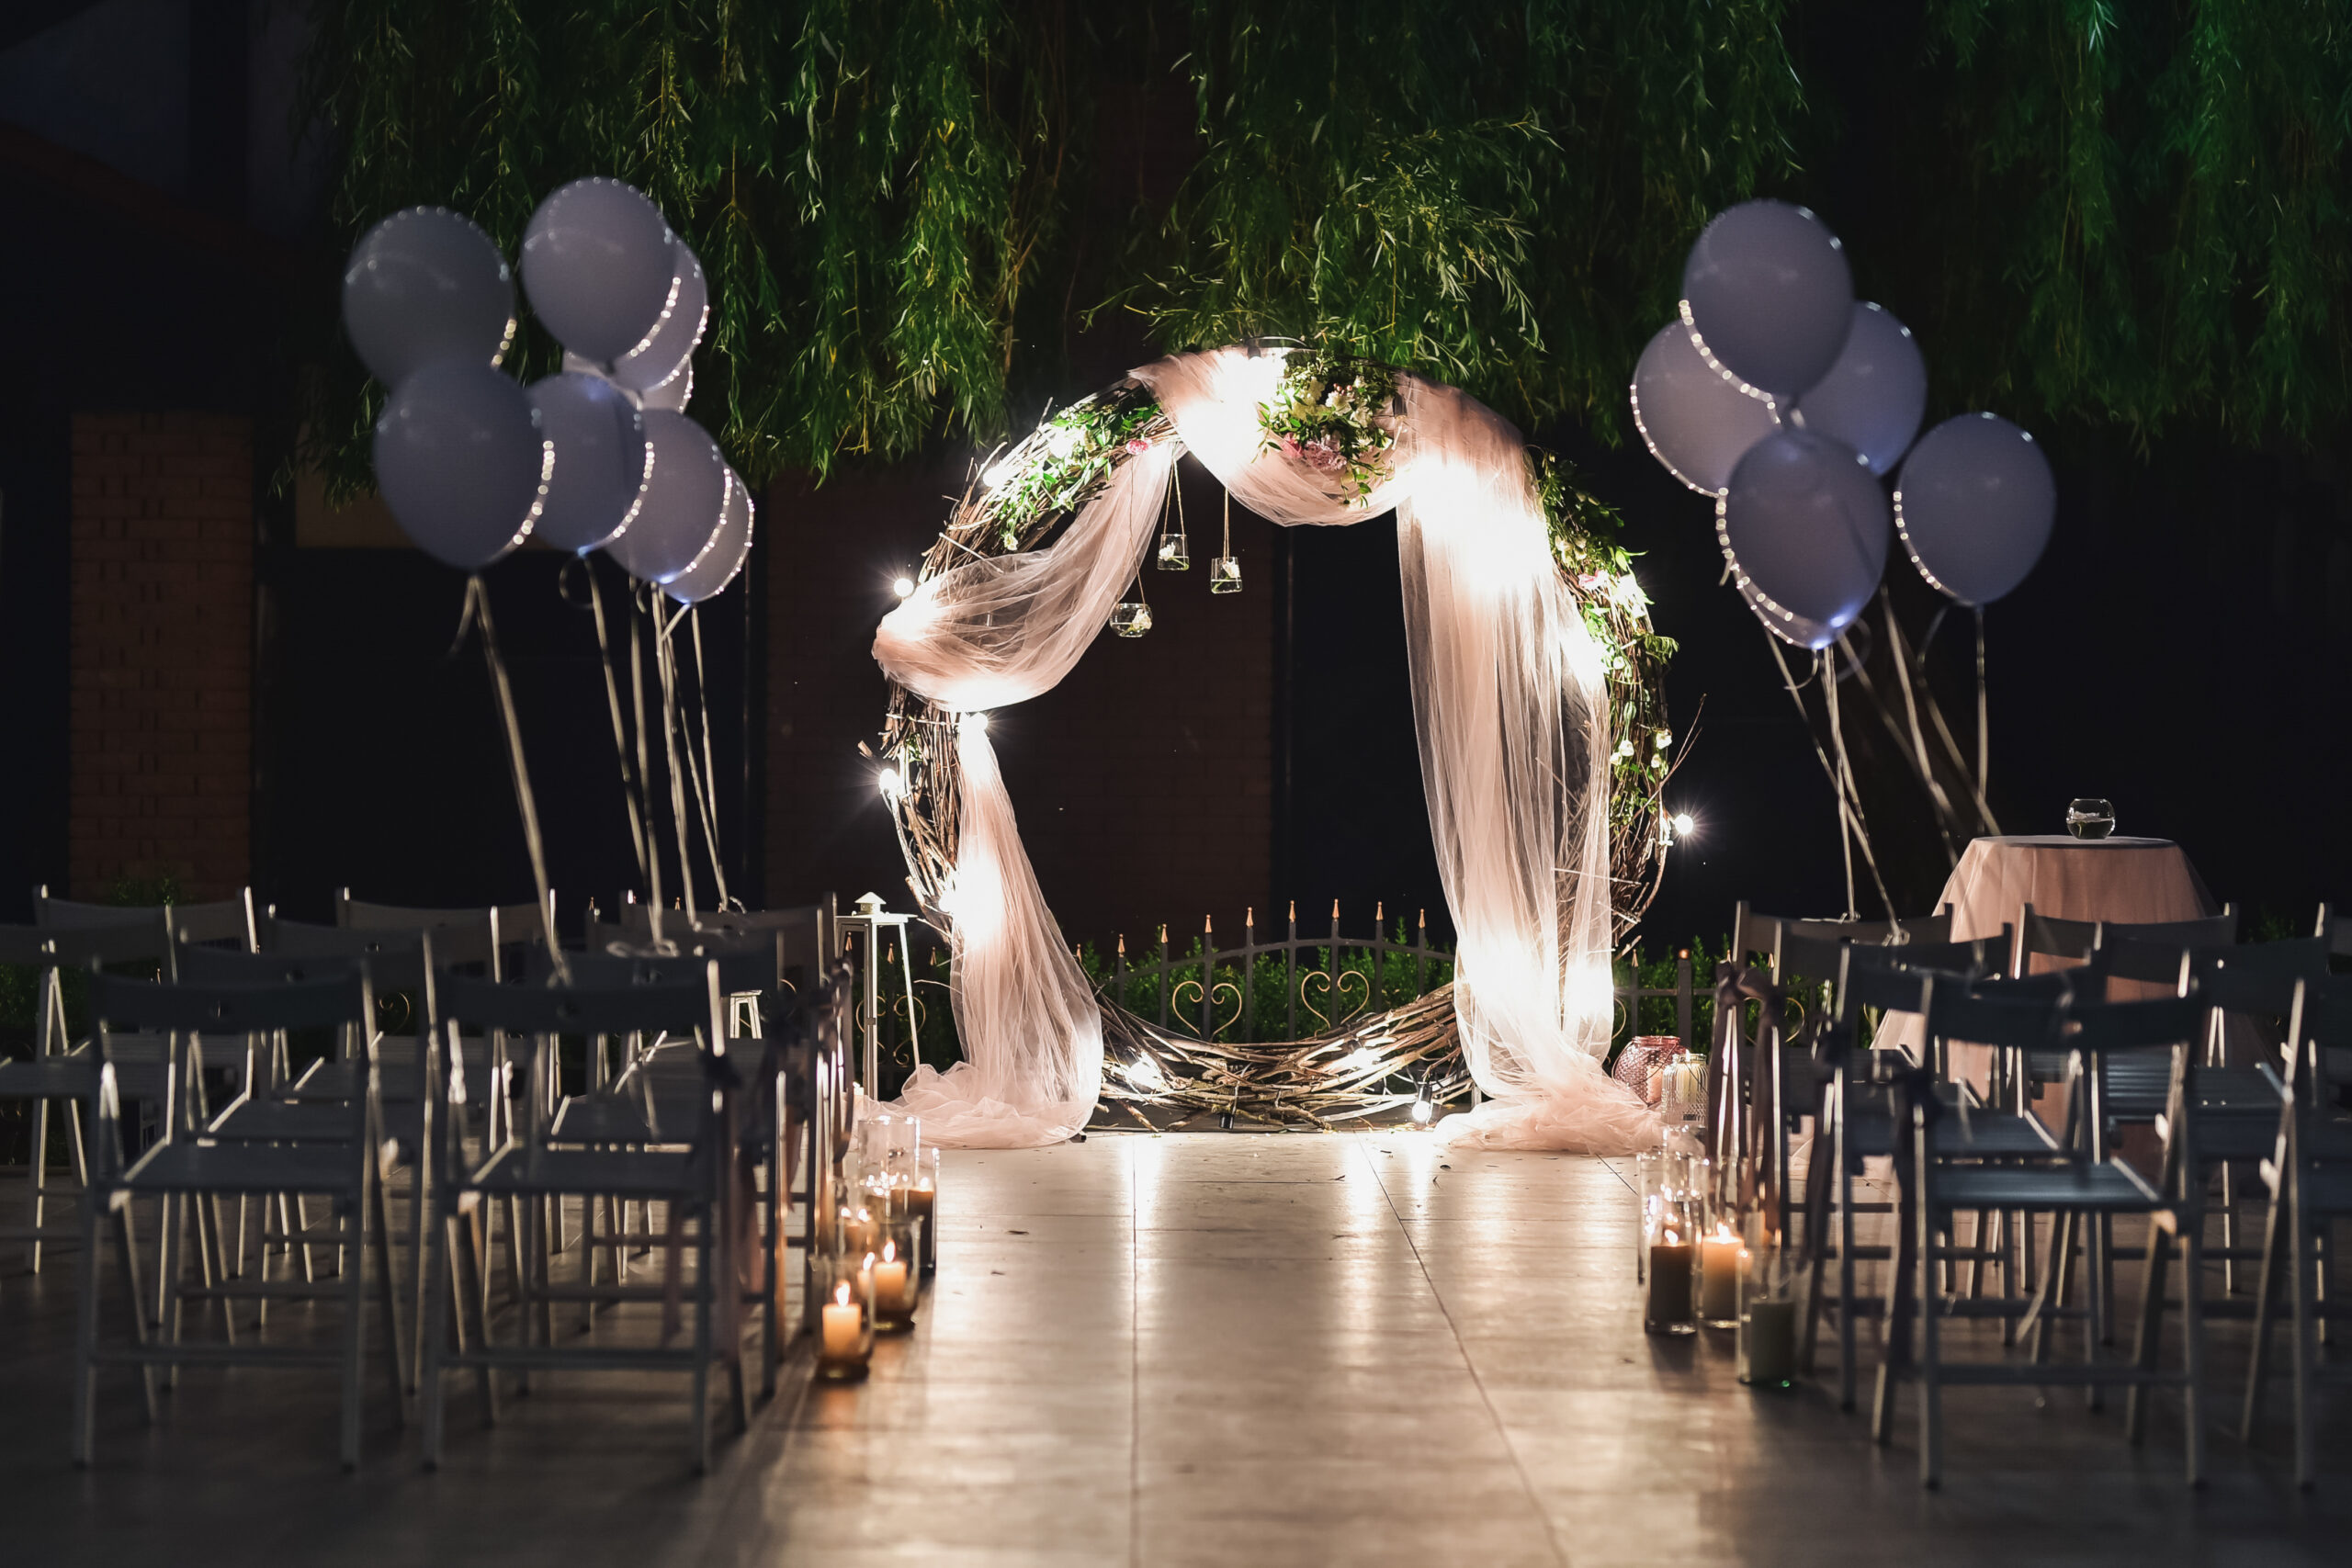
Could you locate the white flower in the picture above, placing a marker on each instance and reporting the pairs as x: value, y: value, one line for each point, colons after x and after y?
x: 1065, y: 442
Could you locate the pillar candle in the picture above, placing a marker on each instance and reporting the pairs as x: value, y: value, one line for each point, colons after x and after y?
x: 1768, y: 1337
x: 1670, y: 1300
x: 890, y: 1281
x: 843, y: 1327
x: 1719, y: 1260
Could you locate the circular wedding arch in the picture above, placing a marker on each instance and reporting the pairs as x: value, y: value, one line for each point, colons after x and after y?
x: 1088, y: 485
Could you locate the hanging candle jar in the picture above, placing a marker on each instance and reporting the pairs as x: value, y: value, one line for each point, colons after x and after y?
x: 1225, y: 575
x: 1131, y: 619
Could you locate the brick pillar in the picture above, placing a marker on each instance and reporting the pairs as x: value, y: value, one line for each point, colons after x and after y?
x: 162, y: 562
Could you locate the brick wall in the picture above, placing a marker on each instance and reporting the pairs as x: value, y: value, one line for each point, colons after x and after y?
x: 161, y: 651
x: 1141, y: 783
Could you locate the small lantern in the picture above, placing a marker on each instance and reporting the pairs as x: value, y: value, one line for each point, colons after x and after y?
x: 897, y: 1273
x: 1131, y: 619
x: 845, y: 1334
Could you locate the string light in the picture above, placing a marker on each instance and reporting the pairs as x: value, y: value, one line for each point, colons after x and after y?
x: 893, y: 783
x: 903, y: 586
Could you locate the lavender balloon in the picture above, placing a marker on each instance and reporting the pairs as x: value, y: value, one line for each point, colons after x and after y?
x: 1696, y: 420
x: 423, y: 285
x: 603, y: 461
x: 1807, y: 526
x: 1872, y: 398
x: 598, y: 264
x: 461, y: 463
x: 682, y: 501
x: 673, y: 393
x: 724, y: 555
x: 675, y: 334
x: 1975, y: 504
x: 1768, y: 291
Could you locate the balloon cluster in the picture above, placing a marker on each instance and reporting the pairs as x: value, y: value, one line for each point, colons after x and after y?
x: 1785, y: 400
x: 598, y: 456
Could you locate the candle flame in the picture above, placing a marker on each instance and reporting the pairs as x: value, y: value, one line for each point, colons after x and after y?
x: 1671, y: 1239
x: 841, y: 1293
x: 1723, y: 1231
x: 889, y: 1251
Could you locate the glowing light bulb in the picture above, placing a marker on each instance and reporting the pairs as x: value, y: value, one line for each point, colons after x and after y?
x: 903, y: 586
x: 1363, y: 1059
x: 1422, y: 1111
x: 1683, y: 824
x: 1144, y: 1074
x: 893, y: 783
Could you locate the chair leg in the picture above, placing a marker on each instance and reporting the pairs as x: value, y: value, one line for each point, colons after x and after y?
x: 439, y: 1308
x: 699, y: 1438
x: 2192, y: 1339
x: 2306, y: 1355
x: 2229, y: 1229
x: 1927, y: 1365
x: 86, y: 1337
x: 1848, y: 1350
x: 389, y: 1292
x: 168, y: 1268
x: 352, y: 1257
x: 2266, y: 1310
x: 2146, y: 1343
x: 41, y: 1180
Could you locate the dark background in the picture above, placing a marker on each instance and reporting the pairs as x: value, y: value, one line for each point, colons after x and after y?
x: 2183, y: 649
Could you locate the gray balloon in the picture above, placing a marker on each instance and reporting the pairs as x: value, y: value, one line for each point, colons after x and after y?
x: 1975, y: 504
x: 724, y: 555
x: 597, y: 265
x: 676, y: 333
x: 1872, y: 398
x: 1781, y: 621
x: 1805, y: 522
x: 1768, y: 291
x: 1696, y: 420
x: 460, y: 461
x: 602, y: 460
x: 682, y: 501
x: 673, y: 393
x: 426, y: 284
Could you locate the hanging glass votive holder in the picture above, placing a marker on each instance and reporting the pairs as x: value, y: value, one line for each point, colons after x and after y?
x: 845, y: 1317
x: 1768, y: 1314
x: 1225, y: 574
x: 1131, y: 619
x: 897, y: 1277
x: 1175, y: 553
x: 923, y: 1206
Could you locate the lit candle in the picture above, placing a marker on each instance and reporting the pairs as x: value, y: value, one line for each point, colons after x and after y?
x: 843, y: 1325
x: 1720, y: 1256
x: 890, y: 1281
x: 922, y: 1205
x: 1686, y: 1088
x: 1669, y: 1303
x: 862, y: 1228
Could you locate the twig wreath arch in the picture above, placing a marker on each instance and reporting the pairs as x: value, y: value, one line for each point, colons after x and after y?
x: 1537, y: 703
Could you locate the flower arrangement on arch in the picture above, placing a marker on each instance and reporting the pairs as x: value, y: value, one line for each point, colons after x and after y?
x: 1325, y: 413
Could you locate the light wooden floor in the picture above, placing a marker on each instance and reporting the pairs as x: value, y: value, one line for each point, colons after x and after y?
x: 1190, y: 1349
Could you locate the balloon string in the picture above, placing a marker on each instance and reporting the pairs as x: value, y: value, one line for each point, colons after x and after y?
x: 632, y: 789
x: 1984, y: 719
x: 1852, y: 796
x: 1899, y: 651
x: 665, y: 668
x: 478, y: 612
x: 644, y: 771
x: 708, y: 800
x: 1827, y: 769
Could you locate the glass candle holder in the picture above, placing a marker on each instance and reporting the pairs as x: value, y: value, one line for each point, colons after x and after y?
x: 1681, y: 1081
x: 1670, y: 1229
x: 1175, y: 553
x: 845, y: 1317
x: 922, y: 1205
x: 1225, y: 574
x: 1723, y: 1261
x: 1131, y: 619
x: 897, y: 1276
x: 1767, y: 1317
x: 2090, y: 818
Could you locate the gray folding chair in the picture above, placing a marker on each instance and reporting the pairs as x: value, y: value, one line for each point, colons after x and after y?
x: 687, y: 1171
x: 59, y: 1076
x: 2085, y: 1183
x: 184, y: 1169
x: 2310, y: 1189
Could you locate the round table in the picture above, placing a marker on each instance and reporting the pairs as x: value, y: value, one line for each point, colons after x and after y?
x: 2134, y: 880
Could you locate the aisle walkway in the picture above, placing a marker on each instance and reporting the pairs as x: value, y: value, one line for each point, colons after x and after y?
x: 1147, y: 1352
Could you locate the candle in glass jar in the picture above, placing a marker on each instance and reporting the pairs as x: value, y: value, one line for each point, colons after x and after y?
x: 1768, y: 1343
x: 1720, y: 1256
x: 1686, y: 1086
x: 844, y: 1321
x: 890, y: 1281
x: 923, y: 1200
x: 862, y: 1227
x: 1669, y: 1303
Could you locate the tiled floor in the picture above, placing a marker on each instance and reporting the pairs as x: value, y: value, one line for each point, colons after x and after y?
x: 1188, y: 1348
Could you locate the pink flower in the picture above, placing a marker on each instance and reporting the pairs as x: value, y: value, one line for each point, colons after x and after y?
x: 1590, y: 580
x: 1289, y: 446
x: 1137, y: 447
x: 1322, y: 454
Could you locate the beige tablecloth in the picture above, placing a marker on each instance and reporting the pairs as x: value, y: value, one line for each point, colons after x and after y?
x: 2134, y: 880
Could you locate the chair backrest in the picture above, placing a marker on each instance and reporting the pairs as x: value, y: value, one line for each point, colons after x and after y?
x: 1910, y: 929
x: 395, y: 956
x: 214, y: 966
x: 513, y: 923
x: 680, y: 1006
x: 1809, y: 948
x: 36, y: 947
x: 2335, y: 931
x: 2048, y: 936
x: 2259, y: 978
x: 747, y: 965
x: 240, y: 1008
x: 222, y: 920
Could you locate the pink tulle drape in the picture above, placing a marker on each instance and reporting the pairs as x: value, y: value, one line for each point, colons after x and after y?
x: 1512, y: 716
